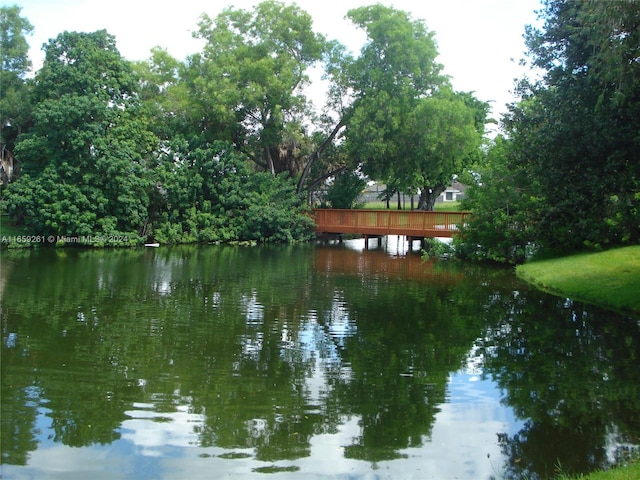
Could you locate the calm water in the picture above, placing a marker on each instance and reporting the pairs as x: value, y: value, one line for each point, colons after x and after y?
x: 303, y: 362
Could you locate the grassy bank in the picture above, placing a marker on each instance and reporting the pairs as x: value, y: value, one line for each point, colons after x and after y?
x: 630, y: 472
x: 610, y: 279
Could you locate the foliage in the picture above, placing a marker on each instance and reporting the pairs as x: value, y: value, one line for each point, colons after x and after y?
x: 247, y: 84
x: 345, y: 190
x: 93, y: 168
x: 15, y: 64
x: 406, y: 127
x: 209, y: 193
x: 132, y: 148
x: 163, y: 96
x: 502, y: 199
x: 396, y: 66
x: 573, y: 137
x: 441, y: 137
x: 84, y: 158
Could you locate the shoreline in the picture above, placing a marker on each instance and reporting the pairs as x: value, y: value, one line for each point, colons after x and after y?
x: 609, y: 279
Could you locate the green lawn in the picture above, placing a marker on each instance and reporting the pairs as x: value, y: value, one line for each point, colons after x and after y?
x: 439, y: 206
x: 630, y: 472
x: 610, y: 279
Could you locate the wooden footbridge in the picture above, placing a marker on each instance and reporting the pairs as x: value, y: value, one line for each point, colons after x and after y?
x: 414, y: 224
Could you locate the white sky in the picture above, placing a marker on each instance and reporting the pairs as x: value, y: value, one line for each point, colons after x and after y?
x: 480, y: 41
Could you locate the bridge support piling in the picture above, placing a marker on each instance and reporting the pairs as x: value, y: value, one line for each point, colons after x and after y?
x: 413, y: 239
x: 366, y: 240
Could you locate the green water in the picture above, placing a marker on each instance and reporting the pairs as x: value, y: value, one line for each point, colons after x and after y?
x: 303, y: 362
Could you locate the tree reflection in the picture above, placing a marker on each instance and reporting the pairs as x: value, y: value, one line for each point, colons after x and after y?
x: 408, y: 341
x: 271, y: 347
x: 573, y: 373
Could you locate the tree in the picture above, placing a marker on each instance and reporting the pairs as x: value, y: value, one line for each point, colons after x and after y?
x: 395, y: 68
x: 583, y: 135
x: 405, y: 126
x: 345, y: 190
x: 502, y: 198
x: 440, y: 139
x: 84, y: 159
x: 15, y: 64
x: 574, y: 151
x: 369, y: 95
x: 248, y: 82
x: 164, y: 96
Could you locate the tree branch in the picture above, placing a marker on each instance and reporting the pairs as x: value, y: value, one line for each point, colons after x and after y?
x: 316, y: 155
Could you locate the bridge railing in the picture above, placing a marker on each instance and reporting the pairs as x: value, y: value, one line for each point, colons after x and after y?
x: 389, y: 222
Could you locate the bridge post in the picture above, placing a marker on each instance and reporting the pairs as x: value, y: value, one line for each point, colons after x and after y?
x: 366, y: 241
x: 367, y: 237
x: 410, y: 241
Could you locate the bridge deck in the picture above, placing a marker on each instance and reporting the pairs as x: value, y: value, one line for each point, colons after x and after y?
x: 411, y: 223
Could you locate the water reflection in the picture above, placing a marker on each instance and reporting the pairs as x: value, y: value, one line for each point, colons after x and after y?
x: 316, y: 360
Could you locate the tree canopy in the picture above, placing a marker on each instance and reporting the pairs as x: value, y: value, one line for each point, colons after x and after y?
x: 83, y: 161
x: 225, y: 145
x: 573, y: 154
x: 14, y: 66
x: 406, y: 126
x: 250, y: 77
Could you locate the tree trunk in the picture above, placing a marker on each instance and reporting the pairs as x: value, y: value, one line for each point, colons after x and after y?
x: 316, y: 155
x: 269, y: 159
x: 428, y: 196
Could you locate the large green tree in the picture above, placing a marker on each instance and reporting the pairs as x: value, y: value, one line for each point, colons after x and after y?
x: 574, y: 142
x: 248, y: 83
x: 396, y: 67
x: 404, y: 125
x: 210, y: 193
x: 584, y: 131
x: 164, y: 97
x: 14, y: 66
x: 84, y: 159
x: 440, y: 139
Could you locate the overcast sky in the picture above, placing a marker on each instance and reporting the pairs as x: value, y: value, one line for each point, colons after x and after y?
x: 480, y: 41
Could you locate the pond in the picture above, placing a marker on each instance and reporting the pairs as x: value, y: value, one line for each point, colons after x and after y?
x: 310, y: 361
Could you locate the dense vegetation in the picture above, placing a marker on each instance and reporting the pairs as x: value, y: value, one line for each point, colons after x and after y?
x: 567, y: 173
x: 225, y: 145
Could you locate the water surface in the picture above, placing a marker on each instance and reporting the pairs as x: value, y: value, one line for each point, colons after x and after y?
x: 303, y: 362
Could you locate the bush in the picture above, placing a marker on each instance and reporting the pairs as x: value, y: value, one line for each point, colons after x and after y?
x: 211, y: 194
